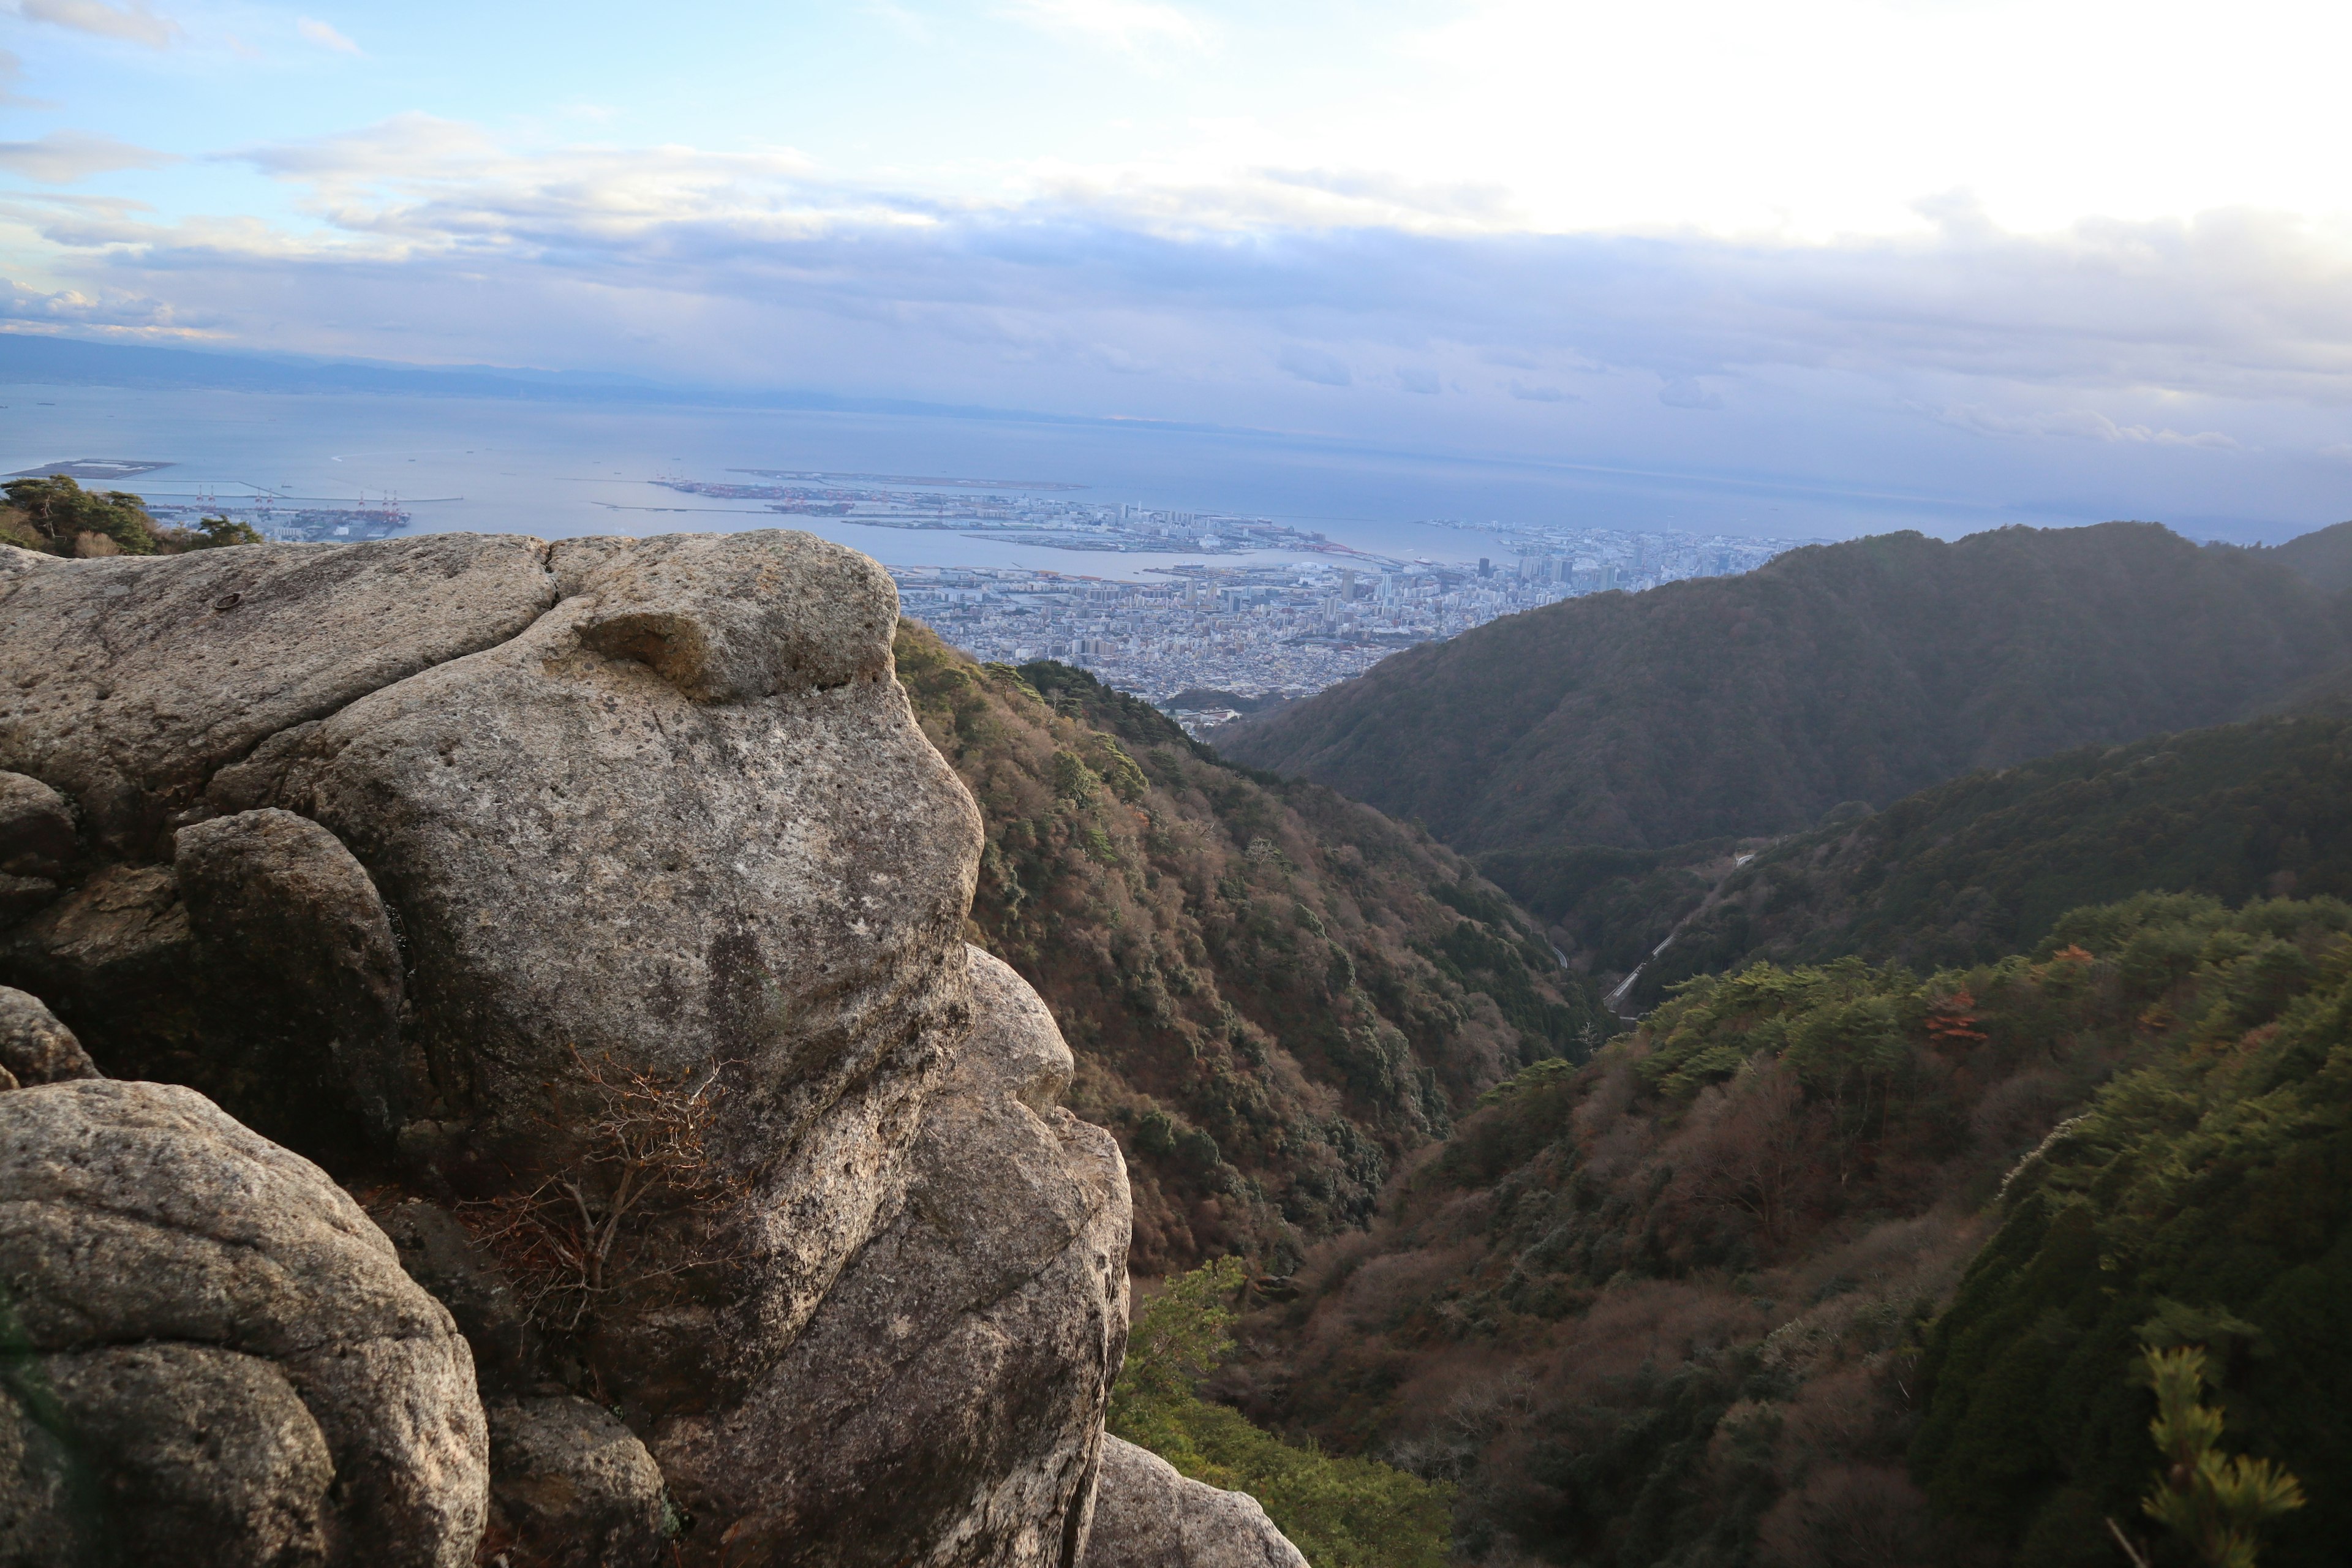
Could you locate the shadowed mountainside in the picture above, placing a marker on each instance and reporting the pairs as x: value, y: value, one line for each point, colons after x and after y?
x: 1725, y: 708
x: 1970, y: 869
x: 2322, y: 557
x: 1273, y: 993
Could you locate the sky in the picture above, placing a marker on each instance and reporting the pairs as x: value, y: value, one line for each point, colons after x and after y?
x: 2060, y: 260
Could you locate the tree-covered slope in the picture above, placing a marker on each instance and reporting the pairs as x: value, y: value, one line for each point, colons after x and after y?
x: 1274, y: 993
x: 1732, y: 707
x: 2322, y: 557
x: 1695, y: 1302
x: 1980, y: 866
x: 2205, y: 1198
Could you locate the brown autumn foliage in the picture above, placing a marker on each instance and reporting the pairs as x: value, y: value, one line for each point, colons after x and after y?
x: 1666, y: 1306
x: 1274, y: 995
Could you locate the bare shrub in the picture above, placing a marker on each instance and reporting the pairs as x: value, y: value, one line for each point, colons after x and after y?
x: 587, y: 1231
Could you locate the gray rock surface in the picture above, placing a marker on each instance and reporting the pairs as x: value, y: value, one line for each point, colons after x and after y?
x: 572, y: 1487
x: 34, y: 1046
x: 754, y: 873
x: 37, y: 840
x: 224, y: 1362
x: 292, y: 939
x: 1148, y: 1515
x: 258, y: 967
x: 530, y: 852
x: 133, y: 678
x: 36, y: 827
x: 944, y: 1405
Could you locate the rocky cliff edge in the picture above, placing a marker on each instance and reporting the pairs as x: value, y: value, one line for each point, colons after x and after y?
x: 565, y: 1123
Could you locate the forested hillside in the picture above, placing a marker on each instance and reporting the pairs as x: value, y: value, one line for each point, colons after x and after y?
x: 1750, y: 1288
x: 1968, y: 870
x: 1274, y: 993
x: 1723, y: 708
x: 2322, y: 557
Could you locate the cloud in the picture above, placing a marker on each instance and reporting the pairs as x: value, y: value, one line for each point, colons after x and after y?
x: 1139, y: 28
x: 1315, y: 366
x: 324, y: 36
x: 111, y: 313
x: 136, y: 22
x: 2231, y: 306
x: 2104, y: 357
x: 63, y: 157
x: 12, y: 71
x: 1415, y: 378
x: 1687, y: 392
x: 2080, y: 423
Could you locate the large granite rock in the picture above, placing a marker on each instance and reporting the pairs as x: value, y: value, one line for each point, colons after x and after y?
x: 1146, y: 1515
x: 216, y: 1357
x: 597, y: 908
x: 944, y: 1405
x: 132, y: 681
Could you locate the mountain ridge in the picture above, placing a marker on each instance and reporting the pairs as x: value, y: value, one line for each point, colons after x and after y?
x: 1746, y: 706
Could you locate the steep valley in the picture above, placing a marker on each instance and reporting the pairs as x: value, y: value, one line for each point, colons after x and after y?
x: 1274, y: 995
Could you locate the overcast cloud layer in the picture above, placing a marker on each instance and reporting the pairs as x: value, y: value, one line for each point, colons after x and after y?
x: 2125, y: 360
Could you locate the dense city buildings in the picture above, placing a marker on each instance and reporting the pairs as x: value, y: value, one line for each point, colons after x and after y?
x: 1293, y: 628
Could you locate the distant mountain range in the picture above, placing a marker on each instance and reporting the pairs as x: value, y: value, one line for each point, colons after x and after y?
x: 1728, y: 708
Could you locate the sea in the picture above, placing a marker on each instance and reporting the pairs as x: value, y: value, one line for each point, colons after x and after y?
x: 557, y: 470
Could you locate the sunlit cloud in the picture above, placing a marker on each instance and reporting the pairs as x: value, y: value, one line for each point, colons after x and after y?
x: 65, y: 157
x: 2080, y: 423
x: 136, y: 22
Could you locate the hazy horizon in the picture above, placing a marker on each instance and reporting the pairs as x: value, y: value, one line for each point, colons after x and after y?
x: 1987, y: 261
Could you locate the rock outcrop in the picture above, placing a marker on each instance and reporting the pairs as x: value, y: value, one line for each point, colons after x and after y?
x: 1148, y: 1516
x: 215, y: 1358
x: 596, y: 910
x: 1004, y: 1269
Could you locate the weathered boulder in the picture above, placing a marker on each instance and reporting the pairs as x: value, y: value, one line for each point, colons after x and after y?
x: 1146, y: 1515
x: 132, y: 679
x: 292, y: 939
x: 944, y: 1403
x: 510, y: 1355
x: 610, y: 883
x: 259, y: 967
x: 34, y: 1046
x: 600, y: 904
x: 216, y: 1357
x: 572, y: 1487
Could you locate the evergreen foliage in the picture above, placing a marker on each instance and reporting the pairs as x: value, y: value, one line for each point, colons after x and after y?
x: 2217, y: 1503
x: 54, y: 516
x: 1340, y: 1512
x: 2322, y: 557
x: 1985, y: 865
x: 2203, y: 1198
